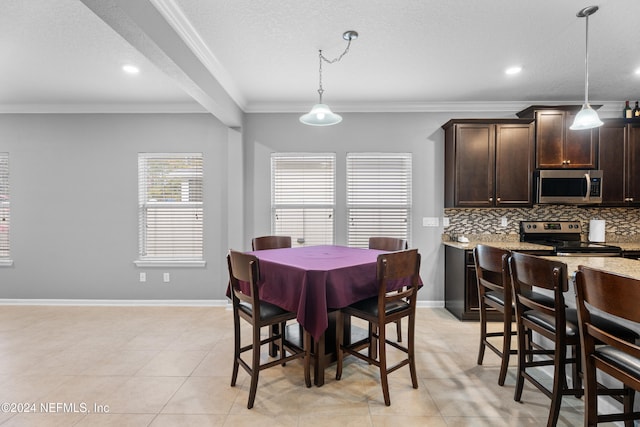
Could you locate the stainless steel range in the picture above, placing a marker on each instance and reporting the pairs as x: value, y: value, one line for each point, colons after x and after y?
x: 565, y: 237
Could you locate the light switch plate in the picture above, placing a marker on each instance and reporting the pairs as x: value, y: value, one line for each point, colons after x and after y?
x: 445, y: 221
x: 430, y: 221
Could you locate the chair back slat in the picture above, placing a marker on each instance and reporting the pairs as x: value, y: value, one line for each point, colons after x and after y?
x: 270, y: 242
x: 492, y: 269
x: 244, y: 268
x: 387, y: 243
x: 612, y: 293
x: 398, y: 276
x: 528, y: 272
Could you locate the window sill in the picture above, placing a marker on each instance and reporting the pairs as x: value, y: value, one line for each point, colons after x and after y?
x: 170, y: 263
x: 6, y: 263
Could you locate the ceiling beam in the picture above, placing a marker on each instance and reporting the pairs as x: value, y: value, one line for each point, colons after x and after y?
x: 144, y: 27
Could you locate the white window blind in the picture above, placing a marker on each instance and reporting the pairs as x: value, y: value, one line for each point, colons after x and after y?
x: 378, y: 196
x: 5, y: 214
x: 303, y: 197
x: 170, y: 206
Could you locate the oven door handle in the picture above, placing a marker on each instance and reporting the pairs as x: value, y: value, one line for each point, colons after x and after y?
x: 591, y: 254
x: 588, y: 178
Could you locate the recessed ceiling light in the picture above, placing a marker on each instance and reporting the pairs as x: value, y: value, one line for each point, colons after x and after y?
x: 513, y: 70
x: 638, y: 71
x: 130, y: 69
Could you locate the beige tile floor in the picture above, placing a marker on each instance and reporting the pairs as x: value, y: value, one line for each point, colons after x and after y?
x: 171, y: 366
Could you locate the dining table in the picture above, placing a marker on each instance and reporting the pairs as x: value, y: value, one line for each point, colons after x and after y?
x: 314, y: 282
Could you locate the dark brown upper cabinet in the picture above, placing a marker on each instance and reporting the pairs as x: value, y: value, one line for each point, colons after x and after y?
x: 619, y: 154
x: 557, y: 146
x: 488, y: 162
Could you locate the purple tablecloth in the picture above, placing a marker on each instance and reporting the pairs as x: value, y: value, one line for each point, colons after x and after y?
x: 312, y: 280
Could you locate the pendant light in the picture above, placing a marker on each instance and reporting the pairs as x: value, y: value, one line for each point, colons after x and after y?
x: 321, y: 114
x: 587, y: 118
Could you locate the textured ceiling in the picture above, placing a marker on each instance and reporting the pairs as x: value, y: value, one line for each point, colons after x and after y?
x: 411, y: 55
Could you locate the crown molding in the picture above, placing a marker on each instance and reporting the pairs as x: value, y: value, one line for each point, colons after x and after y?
x: 424, y: 107
x: 120, y: 108
x: 182, y: 26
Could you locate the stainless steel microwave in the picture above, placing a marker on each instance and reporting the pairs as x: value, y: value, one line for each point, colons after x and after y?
x: 569, y: 186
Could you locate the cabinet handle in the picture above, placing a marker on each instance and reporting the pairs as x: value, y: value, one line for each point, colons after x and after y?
x: 491, y: 199
x: 568, y: 162
x: 498, y: 199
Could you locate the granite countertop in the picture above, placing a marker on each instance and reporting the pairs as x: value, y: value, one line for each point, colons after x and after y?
x: 511, y: 243
x: 626, y: 266
x: 626, y: 246
x: 508, y: 245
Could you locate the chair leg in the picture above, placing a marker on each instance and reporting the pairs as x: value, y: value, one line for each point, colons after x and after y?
x: 339, y: 340
x: 399, y: 330
x: 273, y: 347
x: 255, y: 367
x: 411, y: 351
x: 282, y: 329
x: 576, y: 370
x: 506, y: 350
x: 382, y: 353
x: 559, y: 382
x: 306, y: 345
x: 483, y: 332
x: 627, y: 402
x: 236, y: 349
x: 523, y: 346
x: 590, y: 396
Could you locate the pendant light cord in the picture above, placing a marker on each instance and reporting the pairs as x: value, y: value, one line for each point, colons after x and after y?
x: 321, y: 58
x: 586, y: 63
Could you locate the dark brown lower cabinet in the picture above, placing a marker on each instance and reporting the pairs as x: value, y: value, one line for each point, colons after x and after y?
x: 460, y: 286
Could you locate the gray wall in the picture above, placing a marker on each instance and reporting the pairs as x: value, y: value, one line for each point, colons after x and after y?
x: 74, y: 199
x: 418, y: 133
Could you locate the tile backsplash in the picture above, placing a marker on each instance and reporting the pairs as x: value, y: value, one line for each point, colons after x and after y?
x: 622, y: 224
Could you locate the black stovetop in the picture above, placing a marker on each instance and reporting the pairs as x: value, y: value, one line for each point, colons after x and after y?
x: 564, y: 236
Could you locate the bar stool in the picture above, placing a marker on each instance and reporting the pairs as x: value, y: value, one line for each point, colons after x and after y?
x: 614, y: 295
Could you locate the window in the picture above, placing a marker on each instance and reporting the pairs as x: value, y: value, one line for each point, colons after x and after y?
x: 4, y: 210
x: 170, y: 208
x: 378, y: 196
x: 303, y: 197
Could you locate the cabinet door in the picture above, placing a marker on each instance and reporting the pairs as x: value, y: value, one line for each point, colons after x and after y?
x: 632, y: 155
x: 612, y: 162
x: 549, y: 139
x: 557, y: 146
x: 580, y: 147
x: 475, y: 165
x: 514, y: 165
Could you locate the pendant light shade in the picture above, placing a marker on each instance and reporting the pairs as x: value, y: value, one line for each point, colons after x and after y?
x: 321, y: 115
x: 587, y: 118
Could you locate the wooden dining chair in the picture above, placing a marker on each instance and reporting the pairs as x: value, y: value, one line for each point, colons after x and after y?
x: 494, y: 293
x: 270, y: 242
x: 390, y: 244
x: 618, y: 296
x: 528, y: 271
x: 556, y: 323
x: 398, y: 281
x: 248, y: 306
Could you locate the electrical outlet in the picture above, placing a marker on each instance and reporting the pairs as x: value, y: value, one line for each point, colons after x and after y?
x: 445, y: 221
x: 503, y: 221
x: 143, y: 276
x: 166, y: 277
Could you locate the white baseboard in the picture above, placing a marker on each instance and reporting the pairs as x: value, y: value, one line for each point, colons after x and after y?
x: 116, y: 303
x: 152, y: 303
